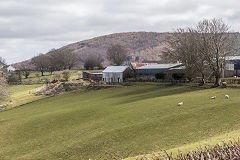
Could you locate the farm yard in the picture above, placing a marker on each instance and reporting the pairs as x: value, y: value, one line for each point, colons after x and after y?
x: 127, y: 121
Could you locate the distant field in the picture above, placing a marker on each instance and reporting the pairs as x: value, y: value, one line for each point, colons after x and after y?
x: 127, y: 121
x: 75, y: 74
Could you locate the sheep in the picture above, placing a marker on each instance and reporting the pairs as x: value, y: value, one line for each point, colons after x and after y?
x: 180, y: 104
x: 227, y: 96
x: 214, y: 97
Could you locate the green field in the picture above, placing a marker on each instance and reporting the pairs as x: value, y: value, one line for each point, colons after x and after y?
x: 22, y: 94
x: 47, y: 75
x: 126, y: 121
x: 75, y: 74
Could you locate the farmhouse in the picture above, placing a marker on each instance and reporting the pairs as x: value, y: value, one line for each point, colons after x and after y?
x: 10, y: 69
x: 116, y: 74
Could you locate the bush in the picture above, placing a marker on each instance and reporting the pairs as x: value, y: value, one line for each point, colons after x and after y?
x: 13, y: 78
x: 178, y: 76
x: 160, y: 75
x: 223, y: 151
x: 3, y: 87
x: 66, y: 75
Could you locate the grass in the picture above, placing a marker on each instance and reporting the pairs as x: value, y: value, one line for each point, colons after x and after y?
x: 47, y: 75
x: 126, y: 121
x: 22, y: 94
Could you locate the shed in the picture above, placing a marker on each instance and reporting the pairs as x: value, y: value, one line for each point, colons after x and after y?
x: 116, y: 74
x: 93, y: 76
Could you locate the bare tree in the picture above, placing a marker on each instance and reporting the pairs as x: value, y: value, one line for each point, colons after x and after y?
x: 62, y: 59
x: 116, y: 54
x: 70, y: 59
x: 24, y: 69
x: 3, y: 85
x: 216, y: 43
x: 182, y: 46
x: 56, y: 60
x: 93, y: 61
x: 41, y: 63
x: 203, y: 49
x: 2, y: 61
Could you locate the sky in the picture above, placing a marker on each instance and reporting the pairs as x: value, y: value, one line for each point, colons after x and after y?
x: 30, y: 27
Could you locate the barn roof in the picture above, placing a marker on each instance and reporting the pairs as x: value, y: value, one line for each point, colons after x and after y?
x: 161, y: 66
x: 232, y: 58
x: 117, y: 69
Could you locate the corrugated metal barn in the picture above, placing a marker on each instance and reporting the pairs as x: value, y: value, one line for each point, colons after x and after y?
x: 116, y: 74
x: 157, y: 68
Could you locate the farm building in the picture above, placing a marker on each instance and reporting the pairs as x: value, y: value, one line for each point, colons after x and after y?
x: 233, y: 65
x: 116, y: 74
x: 10, y: 69
x: 157, y: 68
x: 94, y: 76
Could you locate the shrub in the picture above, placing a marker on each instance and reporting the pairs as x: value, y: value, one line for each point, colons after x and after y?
x: 3, y: 87
x: 178, y: 76
x: 66, y: 75
x: 160, y: 75
x: 13, y: 77
x: 229, y: 151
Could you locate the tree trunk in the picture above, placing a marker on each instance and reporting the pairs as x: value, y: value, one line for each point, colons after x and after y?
x: 42, y: 73
x: 202, y: 80
x: 218, y: 79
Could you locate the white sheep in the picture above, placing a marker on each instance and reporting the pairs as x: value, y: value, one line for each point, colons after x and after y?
x: 227, y: 96
x: 214, y: 97
x: 180, y: 104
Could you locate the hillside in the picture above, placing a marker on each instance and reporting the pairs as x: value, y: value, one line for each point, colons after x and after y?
x: 127, y: 121
x: 143, y: 45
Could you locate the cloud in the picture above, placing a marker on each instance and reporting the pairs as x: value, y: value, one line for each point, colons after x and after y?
x: 28, y: 27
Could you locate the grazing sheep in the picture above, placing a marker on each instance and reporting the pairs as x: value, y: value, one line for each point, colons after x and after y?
x: 214, y: 97
x: 227, y: 96
x: 180, y: 104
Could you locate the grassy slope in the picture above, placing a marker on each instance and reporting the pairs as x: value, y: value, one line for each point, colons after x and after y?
x: 135, y: 120
x: 22, y: 94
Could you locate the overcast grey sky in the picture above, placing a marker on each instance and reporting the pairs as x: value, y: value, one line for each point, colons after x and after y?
x: 29, y: 27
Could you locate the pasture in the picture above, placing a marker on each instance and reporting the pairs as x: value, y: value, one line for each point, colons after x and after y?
x: 35, y: 76
x: 21, y: 94
x: 126, y: 121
